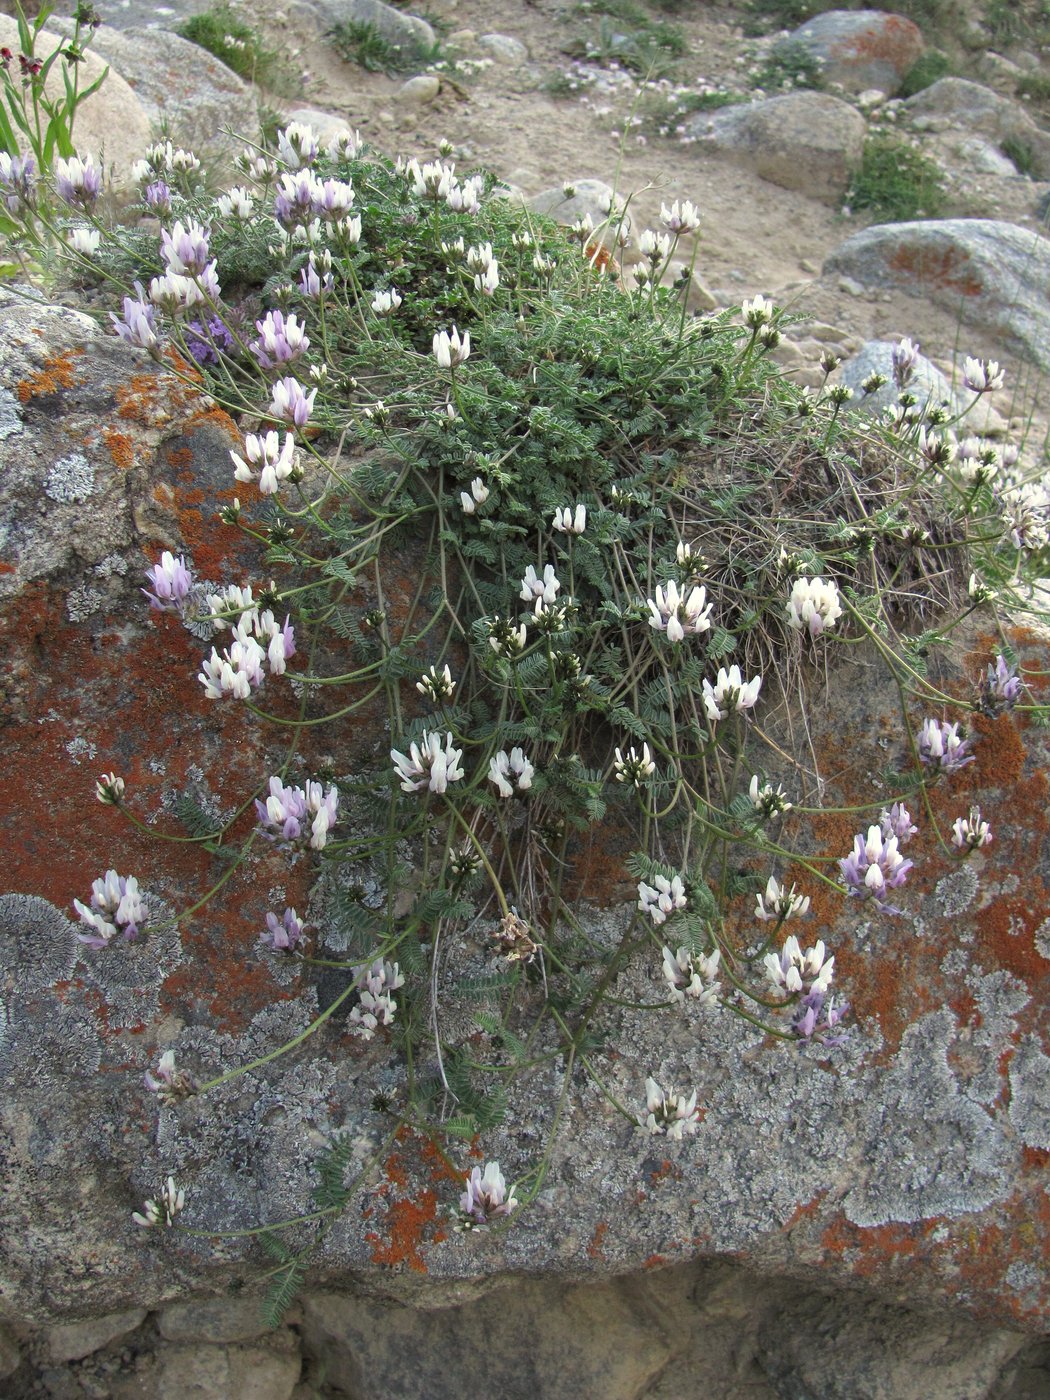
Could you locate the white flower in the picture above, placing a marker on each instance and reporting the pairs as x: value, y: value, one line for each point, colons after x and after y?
x: 971, y: 833
x: 730, y: 692
x: 770, y: 801
x: 384, y: 303
x: 502, y: 765
x: 238, y: 203
x: 757, y: 313
x: 449, y: 349
x: 691, y: 975
x: 680, y: 218
x: 634, y: 769
x: 568, y: 522
x: 983, y: 376
x: 276, y: 462
x: 479, y: 494
x: 428, y: 764
x: 164, y: 1211
x: 545, y: 588
x: 678, y: 615
x: 84, y: 240
x: 436, y: 686
x: 486, y: 1197
x: 487, y: 280
x: 777, y: 902
x: 654, y: 246
x: 813, y: 605
x: 670, y: 1112
x: 661, y: 898
x: 794, y: 971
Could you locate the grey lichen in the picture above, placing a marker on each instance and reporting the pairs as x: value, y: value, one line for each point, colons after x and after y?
x: 80, y: 748
x: 37, y: 944
x: 956, y: 892
x: 83, y: 602
x: 10, y: 415
x: 71, y: 479
x: 112, y: 564
x: 1030, y: 1096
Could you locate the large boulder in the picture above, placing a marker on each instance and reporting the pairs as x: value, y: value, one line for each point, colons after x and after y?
x: 411, y: 36
x: 861, y: 49
x: 113, y: 122
x: 992, y: 274
x: 806, y: 141
x: 956, y: 105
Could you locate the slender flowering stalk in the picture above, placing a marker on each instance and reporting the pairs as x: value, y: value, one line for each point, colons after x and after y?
x: 486, y: 1198
x: 670, y: 1112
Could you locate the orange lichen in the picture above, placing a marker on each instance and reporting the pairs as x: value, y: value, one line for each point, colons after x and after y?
x: 56, y: 373
x: 408, y: 1225
x: 655, y: 1261
x: 121, y: 448
x: 595, y: 1249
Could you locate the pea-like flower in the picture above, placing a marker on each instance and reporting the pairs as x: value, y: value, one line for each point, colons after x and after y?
x: 534, y: 586
x: 377, y: 981
x: 730, y: 693
x: 281, y: 340
x: 662, y: 898
x: 681, y: 217
x: 569, y: 522
x: 486, y: 1197
x: 169, y: 1083
x: 816, y: 1015
x: 636, y: 768
x: 692, y: 975
x: 793, y: 971
x: 767, y: 800
x: 970, y: 833
x: 294, y: 817
x: 164, y: 1211
x: 290, y: 402
x: 116, y: 907
x: 511, y: 772
x: 275, y: 462
x: 298, y: 144
x: 385, y: 303
x: 680, y: 615
x: 17, y: 181
x: 78, y: 181
x: 814, y: 605
x: 435, y: 685
x: 428, y: 764
x: 85, y: 241
x: 504, y: 638
x: 172, y: 584
x: 905, y: 359
x: 110, y: 790
x: 780, y: 903
x: 670, y: 1112
x: 1000, y: 686
x: 185, y: 248
x: 282, y: 934
x: 896, y: 821
x: 874, y: 867
x: 983, y: 376
x: 942, y: 747
x: 478, y: 495
x: 449, y: 349
x: 757, y: 313
x: 138, y: 325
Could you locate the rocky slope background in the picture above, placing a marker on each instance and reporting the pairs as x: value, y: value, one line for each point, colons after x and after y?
x: 765, y: 125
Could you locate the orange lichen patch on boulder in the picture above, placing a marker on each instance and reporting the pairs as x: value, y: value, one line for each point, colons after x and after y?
x: 57, y: 372
x: 892, y: 38
x: 407, y: 1225
x: 595, y: 1249
x: 121, y: 448
x: 946, y: 269
x: 655, y: 1261
x: 872, y: 1249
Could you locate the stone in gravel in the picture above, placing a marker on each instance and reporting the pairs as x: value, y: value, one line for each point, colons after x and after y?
x: 10, y: 1354
x: 991, y: 274
x: 860, y: 48
x: 591, y: 198
x: 418, y: 91
x: 805, y: 141
x: 504, y: 48
x: 412, y: 36
x: 234, y: 1373
x: 954, y: 105
x: 69, y: 1341
x: 212, y: 1320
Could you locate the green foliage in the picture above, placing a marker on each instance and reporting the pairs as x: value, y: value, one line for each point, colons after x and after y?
x: 790, y: 65
x: 1021, y: 153
x: 626, y: 35
x: 232, y: 41
x: 927, y: 70
x: 363, y: 44
x: 1018, y: 21
x: 896, y: 182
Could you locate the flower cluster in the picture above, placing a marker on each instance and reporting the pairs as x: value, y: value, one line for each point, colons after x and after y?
x: 281, y: 340
x: 816, y: 1016
x: 116, y: 907
x: 662, y: 898
x: 692, y: 975
x: 376, y: 1006
x: 164, y: 1211
x: 767, y: 800
x: 570, y: 522
x: 942, y: 747
x: 670, y: 1112
x: 814, y: 605
x: 503, y: 767
x: 778, y: 902
x: 1000, y: 686
x: 970, y: 833
x: 679, y: 615
x: 78, y: 181
x: 896, y: 821
x: 258, y: 641
x: 428, y: 764
x: 636, y: 768
x: 275, y: 462
x: 486, y: 1197
x: 874, y: 867
x: 730, y: 693
x: 435, y: 685
x: 293, y: 817
x: 793, y: 971
x: 169, y: 1084
x: 450, y: 349
x: 477, y: 496
x: 172, y: 584
x: 282, y: 934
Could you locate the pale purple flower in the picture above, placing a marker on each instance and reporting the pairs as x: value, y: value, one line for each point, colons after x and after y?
x: 17, y: 175
x: 680, y: 218
x: 428, y: 764
x: 778, y: 902
x: 874, y: 867
x: 670, y: 1112
x: 311, y: 282
x: 679, y: 614
x: 169, y: 1083
x: 275, y: 463
x: 813, y: 605
x: 486, y: 1197
x: 1000, y: 687
x: 78, y: 181
x: 290, y: 402
x: 172, y: 584
x: 905, y: 359
x: 295, y: 818
x: 236, y: 672
x: 281, y: 339
x: 171, y: 1201
x: 943, y: 747
x: 282, y: 934
x: 692, y: 975
x: 298, y: 145
x: 157, y: 198
x: 116, y: 907
x: 185, y: 248
x: 296, y: 199
x: 376, y: 1006
x: 793, y: 971
x: 206, y: 338
x: 970, y: 833
x: 138, y: 325
x: 511, y: 772
x: 730, y: 693
x: 333, y: 199
x: 896, y: 821
x: 662, y: 898
x: 815, y: 1016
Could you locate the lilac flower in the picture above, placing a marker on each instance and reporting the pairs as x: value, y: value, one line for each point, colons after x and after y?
x: 970, y: 833
x: 16, y: 181
x: 815, y: 1016
x: 236, y: 672
x: 896, y: 821
x: 311, y: 282
x: 290, y: 401
x: 793, y: 971
x: 1000, y: 687
x: 428, y: 764
x: 730, y: 692
x: 78, y: 181
x: 874, y: 867
x: 670, y: 1112
x: 289, y: 813
x: 502, y: 765
x: 679, y: 615
x: 185, y: 248
x: 282, y: 934
x: 376, y: 1005
x: 116, y: 907
x: 680, y: 218
x: 692, y: 975
x: 172, y: 584
x: 206, y: 338
x: 905, y: 358
x: 276, y: 463
x: 172, y: 1200
x: 333, y: 200
x: 138, y: 325
x: 636, y: 768
x: 169, y: 1084
x: 297, y: 199
x: 281, y: 340
x: 545, y: 588
x: 813, y: 605
x: 568, y: 522
x: 662, y: 898
x: 486, y: 1197
x: 778, y: 902
x: 943, y: 747
x: 298, y: 145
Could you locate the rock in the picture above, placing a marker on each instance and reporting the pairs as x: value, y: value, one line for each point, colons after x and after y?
x: 504, y: 48
x: 326, y: 124
x: 232, y: 1373
x: 112, y: 122
x: 418, y: 91
x: 185, y: 90
x: 955, y: 104
x: 591, y: 199
x: 10, y: 1353
x: 69, y: 1341
x: 212, y: 1320
x: 805, y: 141
x: 412, y: 36
x: 928, y: 384
x: 861, y: 49
x: 993, y: 274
